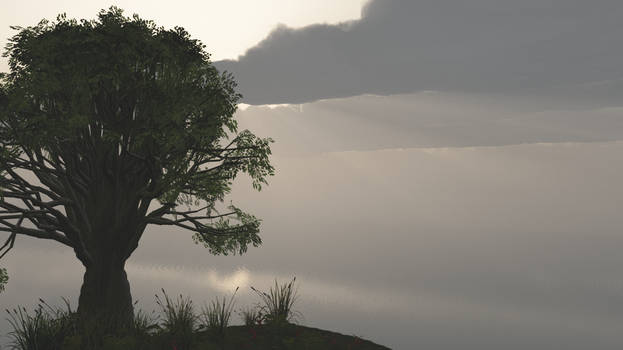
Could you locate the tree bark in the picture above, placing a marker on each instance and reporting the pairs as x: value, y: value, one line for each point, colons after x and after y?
x: 105, y: 297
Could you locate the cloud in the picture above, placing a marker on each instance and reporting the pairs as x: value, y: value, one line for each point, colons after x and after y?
x: 429, y: 119
x: 558, y: 47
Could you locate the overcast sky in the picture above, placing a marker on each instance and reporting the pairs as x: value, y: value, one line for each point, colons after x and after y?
x: 447, y: 171
x: 568, y: 47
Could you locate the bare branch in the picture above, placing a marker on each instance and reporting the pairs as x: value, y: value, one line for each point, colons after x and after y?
x: 192, y: 211
x: 37, y: 233
x: 11, y: 240
x: 160, y: 211
x: 22, y: 183
x: 47, y: 218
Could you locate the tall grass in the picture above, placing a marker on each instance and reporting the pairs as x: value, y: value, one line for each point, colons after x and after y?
x: 278, y: 302
x: 216, y: 316
x: 52, y: 328
x: 45, y: 330
x: 178, y: 321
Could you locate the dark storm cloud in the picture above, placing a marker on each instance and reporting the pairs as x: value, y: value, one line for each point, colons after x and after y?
x: 558, y: 47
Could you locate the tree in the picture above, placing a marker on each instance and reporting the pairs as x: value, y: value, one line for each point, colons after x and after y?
x: 110, y: 115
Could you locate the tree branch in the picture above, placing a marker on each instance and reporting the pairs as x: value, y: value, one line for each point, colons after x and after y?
x: 199, y: 227
x: 37, y: 233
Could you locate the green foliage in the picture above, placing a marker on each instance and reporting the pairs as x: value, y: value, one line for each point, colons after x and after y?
x: 231, y: 237
x: 277, y: 308
x: 122, y: 93
x: 216, y: 316
x: 4, y: 278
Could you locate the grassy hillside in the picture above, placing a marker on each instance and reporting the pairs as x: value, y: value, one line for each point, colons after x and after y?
x: 268, y: 325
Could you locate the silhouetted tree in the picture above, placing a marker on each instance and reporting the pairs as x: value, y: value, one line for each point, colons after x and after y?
x: 108, y: 115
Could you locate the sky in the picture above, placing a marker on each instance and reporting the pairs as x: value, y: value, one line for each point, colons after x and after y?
x: 447, y: 172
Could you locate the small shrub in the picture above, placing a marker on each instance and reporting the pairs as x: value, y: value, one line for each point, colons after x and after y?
x: 277, y: 308
x: 216, y: 316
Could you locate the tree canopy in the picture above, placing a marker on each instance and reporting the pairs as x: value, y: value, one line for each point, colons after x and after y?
x: 109, y: 115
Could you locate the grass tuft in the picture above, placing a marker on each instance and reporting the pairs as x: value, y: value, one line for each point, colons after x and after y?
x: 278, y: 302
x: 216, y: 316
x: 45, y: 330
x: 144, y: 325
x: 179, y: 317
x: 57, y: 328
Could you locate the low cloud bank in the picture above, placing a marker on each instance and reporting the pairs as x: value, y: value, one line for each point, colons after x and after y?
x: 430, y: 120
x: 529, y: 47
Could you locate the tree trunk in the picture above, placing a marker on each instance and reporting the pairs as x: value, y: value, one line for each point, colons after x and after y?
x: 105, y: 298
